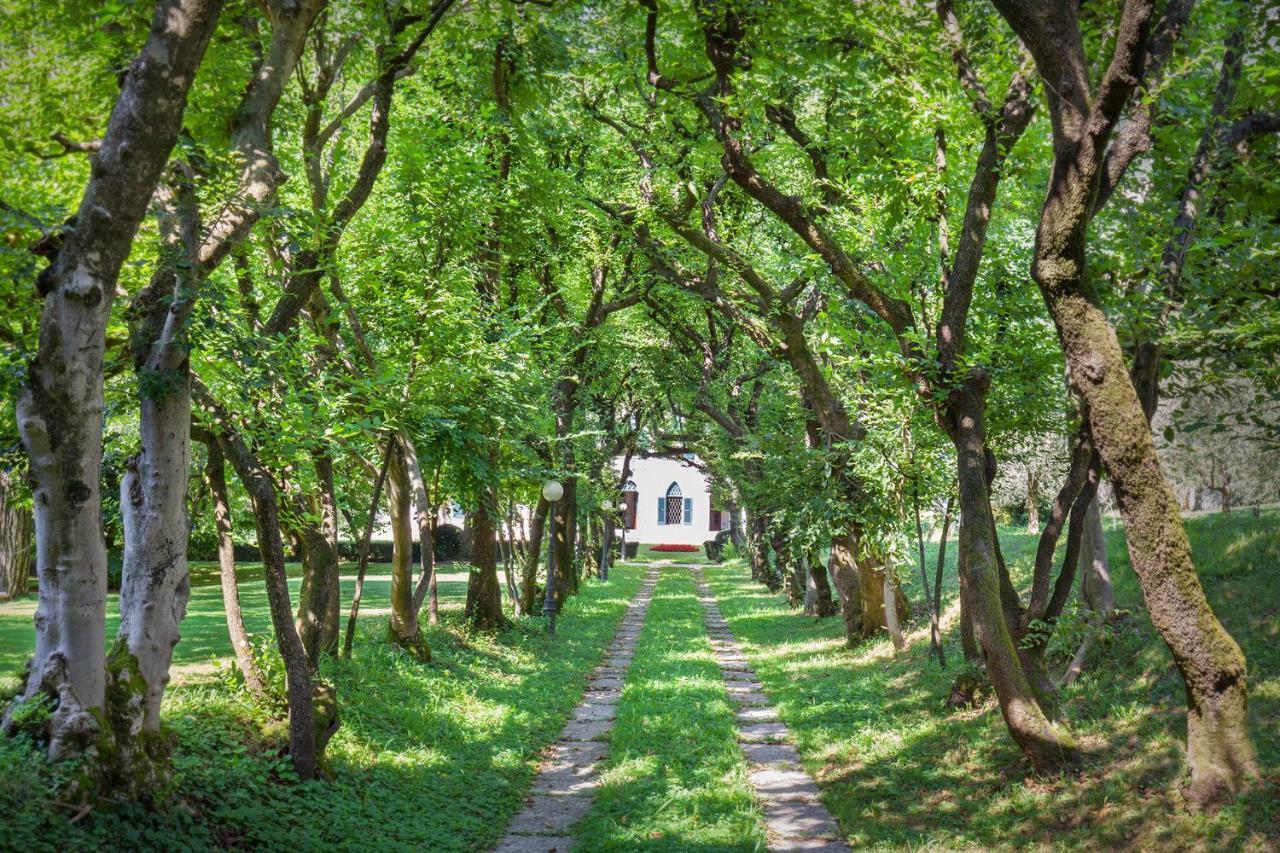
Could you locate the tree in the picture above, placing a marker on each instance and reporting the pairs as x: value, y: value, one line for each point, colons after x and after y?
x: 1085, y: 171
x: 60, y: 412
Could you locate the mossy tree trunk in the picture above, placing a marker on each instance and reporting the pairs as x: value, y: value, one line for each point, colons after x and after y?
x: 1085, y: 171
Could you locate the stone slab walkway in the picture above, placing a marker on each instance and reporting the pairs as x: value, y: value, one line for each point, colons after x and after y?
x: 566, y: 783
x: 794, y: 814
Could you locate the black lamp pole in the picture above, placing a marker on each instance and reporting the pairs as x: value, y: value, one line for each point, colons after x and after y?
x: 606, y: 536
x: 552, y: 492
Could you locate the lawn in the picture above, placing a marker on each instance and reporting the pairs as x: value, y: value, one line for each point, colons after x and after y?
x: 204, y: 631
x: 431, y: 756
x: 899, y: 770
x: 646, y: 554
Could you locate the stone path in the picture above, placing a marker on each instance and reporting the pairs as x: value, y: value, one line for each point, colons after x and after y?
x: 566, y: 784
x: 794, y: 815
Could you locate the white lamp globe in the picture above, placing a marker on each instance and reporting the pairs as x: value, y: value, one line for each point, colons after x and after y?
x: 606, y: 505
x: 552, y: 490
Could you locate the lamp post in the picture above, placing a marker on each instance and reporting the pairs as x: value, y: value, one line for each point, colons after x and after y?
x: 552, y: 491
x: 607, y: 506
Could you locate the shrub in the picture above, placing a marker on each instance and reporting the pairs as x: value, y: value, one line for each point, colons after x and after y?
x: 714, y: 549
x: 448, y: 543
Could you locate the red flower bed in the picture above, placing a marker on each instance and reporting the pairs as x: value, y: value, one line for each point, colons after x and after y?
x: 689, y: 548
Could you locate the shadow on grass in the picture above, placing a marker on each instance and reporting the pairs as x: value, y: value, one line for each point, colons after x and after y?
x: 898, y: 769
x: 429, y: 756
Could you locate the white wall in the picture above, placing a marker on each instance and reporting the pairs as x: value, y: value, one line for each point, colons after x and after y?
x: 652, y: 477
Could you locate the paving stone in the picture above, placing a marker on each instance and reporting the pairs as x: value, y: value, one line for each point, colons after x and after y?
x: 567, y: 779
x: 606, y: 681
x: 799, y: 819
x: 742, y: 678
x: 781, y: 784
x: 593, y: 712
x: 619, y: 659
x: 534, y: 844
x: 807, y: 845
x: 578, y: 752
x: 750, y: 698
x: 586, y: 729
x: 547, y: 814
x: 775, y: 754
x: 762, y: 732
x: 762, y: 714
x: 608, y: 696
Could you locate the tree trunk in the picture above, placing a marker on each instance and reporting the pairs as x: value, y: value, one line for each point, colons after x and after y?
x: 889, y: 594
x: 509, y: 559
x: 801, y: 589
x: 1219, y: 752
x: 824, y: 605
x: 760, y: 571
x: 60, y: 412
x: 1033, y: 502
x: 215, y: 477
x: 306, y: 738
x: 566, y: 525
x: 1095, y: 568
x: 403, y: 629
x: 16, y: 528
x: 529, y: 572
x: 735, y: 528
x: 484, y: 596
x: 845, y: 576
x: 1040, y: 741
x: 424, y: 516
x: 318, y: 606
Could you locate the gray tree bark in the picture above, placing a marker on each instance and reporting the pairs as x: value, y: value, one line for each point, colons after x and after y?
x: 60, y: 412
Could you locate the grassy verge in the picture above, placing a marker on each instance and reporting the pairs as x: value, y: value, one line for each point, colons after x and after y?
x: 676, y: 779
x: 429, y: 757
x: 899, y: 770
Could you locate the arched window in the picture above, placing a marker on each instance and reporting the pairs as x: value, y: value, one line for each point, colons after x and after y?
x: 674, y: 508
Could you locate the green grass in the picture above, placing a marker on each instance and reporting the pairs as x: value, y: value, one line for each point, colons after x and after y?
x: 428, y: 757
x: 646, y: 554
x: 675, y: 779
x: 204, y: 631
x: 898, y: 770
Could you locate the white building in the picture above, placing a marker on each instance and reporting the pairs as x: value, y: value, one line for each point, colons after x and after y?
x: 668, y: 502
